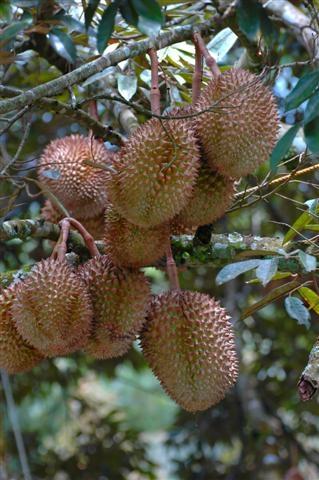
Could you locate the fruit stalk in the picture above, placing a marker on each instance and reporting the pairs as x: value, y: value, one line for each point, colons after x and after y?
x: 172, y: 269
x: 198, y: 72
x: 87, y: 237
x: 155, y: 93
x: 210, y: 61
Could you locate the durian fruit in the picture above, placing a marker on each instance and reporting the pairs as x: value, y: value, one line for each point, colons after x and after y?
x: 80, y: 187
x: 94, y: 225
x: 189, y: 344
x: 120, y: 299
x: 129, y: 245
x: 52, y: 309
x: 240, y: 131
x: 15, y: 354
x: 212, y: 196
x: 156, y: 171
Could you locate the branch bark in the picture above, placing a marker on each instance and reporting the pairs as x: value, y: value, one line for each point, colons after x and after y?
x: 80, y: 74
x: 296, y: 21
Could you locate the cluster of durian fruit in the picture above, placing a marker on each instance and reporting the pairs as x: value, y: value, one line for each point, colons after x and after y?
x: 172, y: 175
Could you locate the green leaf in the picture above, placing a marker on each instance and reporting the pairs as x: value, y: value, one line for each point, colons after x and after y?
x: 311, y: 131
x: 312, y: 227
x: 283, y: 146
x: 297, y: 226
x: 309, y: 262
x: 312, y: 109
x: 222, y: 43
x: 248, y: 17
x: 311, y: 297
x: 129, y: 13
x: 63, y: 44
x: 303, y: 90
x: 90, y: 11
x: 275, y: 294
x: 296, y: 310
x: 12, y: 30
x: 106, y: 26
x: 150, y: 18
x: 266, y: 270
x: 234, y: 269
x: 5, y: 11
x: 267, y: 28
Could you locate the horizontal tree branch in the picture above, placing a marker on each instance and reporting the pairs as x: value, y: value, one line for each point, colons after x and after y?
x: 80, y: 74
x: 188, y: 251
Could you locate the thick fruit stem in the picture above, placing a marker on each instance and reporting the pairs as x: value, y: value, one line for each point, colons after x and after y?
x: 198, y: 72
x: 87, y: 237
x: 210, y: 61
x: 93, y: 110
x: 155, y: 93
x: 60, y: 248
x: 171, y: 269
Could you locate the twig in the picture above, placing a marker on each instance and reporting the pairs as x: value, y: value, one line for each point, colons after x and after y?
x: 13, y: 415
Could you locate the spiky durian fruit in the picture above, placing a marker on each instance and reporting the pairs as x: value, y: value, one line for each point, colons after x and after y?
x: 120, y: 298
x: 156, y: 171
x: 15, y: 354
x: 240, y: 131
x: 212, y: 196
x: 52, y: 309
x: 79, y: 186
x: 129, y: 245
x: 94, y: 225
x: 189, y: 344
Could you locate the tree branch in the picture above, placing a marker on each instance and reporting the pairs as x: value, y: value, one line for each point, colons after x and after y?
x: 297, y: 22
x: 80, y: 74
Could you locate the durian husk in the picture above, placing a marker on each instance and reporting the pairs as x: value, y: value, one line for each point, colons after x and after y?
x: 212, y: 196
x: 52, y: 309
x: 240, y: 131
x: 94, y: 225
x: 80, y: 187
x: 120, y: 298
x: 156, y: 170
x: 16, y: 355
x: 129, y: 245
x: 189, y: 344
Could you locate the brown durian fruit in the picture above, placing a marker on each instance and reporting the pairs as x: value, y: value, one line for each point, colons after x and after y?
x: 212, y: 196
x: 120, y: 299
x: 156, y: 171
x: 240, y: 131
x: 80, y: 187
x: 129, y: 245
x: 15, y: 354
x: 94, y: 225
x: 52, y: 309
x: 189, y: 344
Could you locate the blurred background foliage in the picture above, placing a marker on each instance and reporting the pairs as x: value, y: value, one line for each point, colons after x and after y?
x: 110, y: 420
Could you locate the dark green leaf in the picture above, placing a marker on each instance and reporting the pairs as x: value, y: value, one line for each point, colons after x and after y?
x: 266, y: 270
x: 248, y: 17
x: 309, y: 262
x: 106, y: 26
x: 150, y: 18
x: 69, y: 21
x: 12, y: 30
x: 63, y: 44
x: 129, y: 13
x: 90, y: 11
x: 283, y: 146
x: 311, y: 131
x: 234, y: 269
x: 275, y: 294
x: 267, y: 27
x: 5, y: 11
x: 296, y: 310
x: 312, y: 109
x: 303, y: 90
